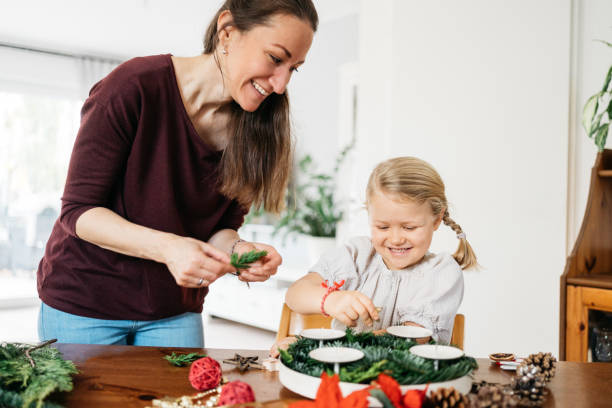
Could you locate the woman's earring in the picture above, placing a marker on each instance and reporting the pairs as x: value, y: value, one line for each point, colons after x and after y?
x: 224, y: 51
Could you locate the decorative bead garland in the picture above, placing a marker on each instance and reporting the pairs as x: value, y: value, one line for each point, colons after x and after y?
x: 189, y: 401
x: 235, y: 392
x: 205, y: 375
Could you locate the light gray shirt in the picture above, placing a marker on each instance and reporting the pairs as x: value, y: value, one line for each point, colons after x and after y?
x: 427, y: 293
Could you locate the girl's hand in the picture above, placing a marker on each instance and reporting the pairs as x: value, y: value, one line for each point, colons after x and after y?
x: 420, y: 340
x: 348, y: 306
x: 194, y: 263
x: 282, y: 344
x: 264, y: 267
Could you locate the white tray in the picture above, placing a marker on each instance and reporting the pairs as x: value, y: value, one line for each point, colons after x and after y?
x: 307, y: 385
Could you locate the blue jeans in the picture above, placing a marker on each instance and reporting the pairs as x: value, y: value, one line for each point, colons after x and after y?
x: 184, y: 330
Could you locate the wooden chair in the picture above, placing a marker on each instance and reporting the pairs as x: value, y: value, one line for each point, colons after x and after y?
x: 292, y: 323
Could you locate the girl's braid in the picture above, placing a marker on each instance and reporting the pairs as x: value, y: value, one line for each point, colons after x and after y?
x: 452, y: 224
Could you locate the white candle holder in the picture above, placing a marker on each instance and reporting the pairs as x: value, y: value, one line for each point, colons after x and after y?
x: 409, y: 332
x: 322, y: 334
x: 436, y: 352
x: 336, y: 355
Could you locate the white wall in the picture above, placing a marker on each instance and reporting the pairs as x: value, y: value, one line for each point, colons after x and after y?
x: 480, y: 90
x: 123, y: 29
x: 155, y: 26
x: 314, y: 93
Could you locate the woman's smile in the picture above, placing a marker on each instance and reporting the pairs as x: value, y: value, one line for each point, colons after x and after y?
x: 259, y: 88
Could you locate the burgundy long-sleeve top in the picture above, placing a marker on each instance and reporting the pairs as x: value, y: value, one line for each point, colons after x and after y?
x: 137, y: 154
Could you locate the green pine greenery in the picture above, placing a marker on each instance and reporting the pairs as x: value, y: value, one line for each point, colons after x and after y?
x: 244, y: 260
x: 24, y: 386
x: 597, y: 112
x: 311, y: 206
x: 383, y: 353
x: 183, y: 359
x: 14, y: 399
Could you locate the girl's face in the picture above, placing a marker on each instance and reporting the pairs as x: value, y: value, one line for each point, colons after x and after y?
x: 401, y: 229
x: 260, y: 61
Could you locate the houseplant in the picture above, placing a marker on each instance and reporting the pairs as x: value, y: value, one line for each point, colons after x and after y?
x: 597, y: 112
x: 312, y: 207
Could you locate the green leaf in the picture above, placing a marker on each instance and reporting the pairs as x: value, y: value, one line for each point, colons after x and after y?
x: 601, y: 136
x: 244, y: 260
x: 358, y: 376
x: 180, y: 360
x: 381, y: 397
x: 607, y: 80
x: 285, y: 356
x: 605, y: 42
x: 588, y: 113
x: 595, y: 124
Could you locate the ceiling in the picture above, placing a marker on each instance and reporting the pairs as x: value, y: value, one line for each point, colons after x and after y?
x: 122, y: 28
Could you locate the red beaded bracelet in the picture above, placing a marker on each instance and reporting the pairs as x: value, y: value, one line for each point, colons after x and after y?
x: 336, y: 286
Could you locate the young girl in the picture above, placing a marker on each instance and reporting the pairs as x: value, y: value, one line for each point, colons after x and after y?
x: 391, y: 278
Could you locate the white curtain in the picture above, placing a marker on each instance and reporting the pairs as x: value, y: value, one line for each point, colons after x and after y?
x: 31, y: 71
x: 92, y: 70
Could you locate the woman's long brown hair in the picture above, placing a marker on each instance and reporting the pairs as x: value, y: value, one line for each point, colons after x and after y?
x: 257, y: 161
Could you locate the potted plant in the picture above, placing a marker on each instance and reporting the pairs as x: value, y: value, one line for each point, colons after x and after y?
x: 597, y: 112
x: 312, y: 209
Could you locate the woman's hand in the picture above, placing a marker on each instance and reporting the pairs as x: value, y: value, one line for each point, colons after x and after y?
x: 194, y: 263
x: 261, y: 269
x: 348, y: 306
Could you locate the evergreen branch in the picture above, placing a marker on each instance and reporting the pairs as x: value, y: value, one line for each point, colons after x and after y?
x: 360, y: 376
x: 382, y: 353
x: 41, y: 345
x: 12, y: 399
x: 33, y: 383
x: 181, y: 360
x: 244, y: 260
x: 286, y: 358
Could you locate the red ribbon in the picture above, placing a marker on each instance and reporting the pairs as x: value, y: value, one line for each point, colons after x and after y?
x: 335, y: 286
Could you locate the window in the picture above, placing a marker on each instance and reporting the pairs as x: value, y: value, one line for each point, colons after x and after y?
x: 41, y: 93
x: 36, y: 137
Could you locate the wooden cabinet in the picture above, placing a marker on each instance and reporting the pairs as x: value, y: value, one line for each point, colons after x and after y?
x: 586, y: 283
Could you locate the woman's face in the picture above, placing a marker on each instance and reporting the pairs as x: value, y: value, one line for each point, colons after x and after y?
x: 260, y: 61
x: 401, y: 229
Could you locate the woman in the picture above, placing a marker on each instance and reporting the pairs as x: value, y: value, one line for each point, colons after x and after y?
x: 170, y: 154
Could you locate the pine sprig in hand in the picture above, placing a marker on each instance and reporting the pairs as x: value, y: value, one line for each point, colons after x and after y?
x: 181, y: 360
x: 244, y: 260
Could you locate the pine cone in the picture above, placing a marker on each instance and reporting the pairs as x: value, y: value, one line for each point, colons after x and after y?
x: 476, y: 386
x: 528, y: 386
x: 447, y: 398
x: 546, y: 361
x: 493, y: 396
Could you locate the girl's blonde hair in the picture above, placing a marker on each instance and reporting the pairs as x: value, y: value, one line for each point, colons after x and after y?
x: 415, y: 179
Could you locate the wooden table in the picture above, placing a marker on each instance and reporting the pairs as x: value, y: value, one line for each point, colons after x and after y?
x: 129, y: 376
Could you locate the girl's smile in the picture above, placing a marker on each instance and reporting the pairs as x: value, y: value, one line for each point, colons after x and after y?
x: 401, y: 229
